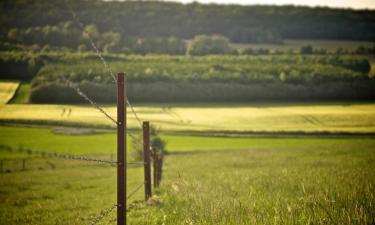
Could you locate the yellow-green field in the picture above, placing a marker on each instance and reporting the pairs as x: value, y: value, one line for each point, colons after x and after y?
x: 290, y: 117
x: 7, y: 90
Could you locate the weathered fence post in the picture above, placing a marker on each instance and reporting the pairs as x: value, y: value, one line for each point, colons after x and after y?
x: 121, y: 149
x: 146, y: 159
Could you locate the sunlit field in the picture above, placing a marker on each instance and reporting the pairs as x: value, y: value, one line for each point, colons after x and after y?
x: 262, y: 117
x: 7, y: 90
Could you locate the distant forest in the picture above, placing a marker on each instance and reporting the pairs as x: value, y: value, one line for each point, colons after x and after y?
x: 149, y: 19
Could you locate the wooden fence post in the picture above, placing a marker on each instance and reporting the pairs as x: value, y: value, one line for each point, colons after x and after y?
x: 146, y: 159
x: 121, y: 149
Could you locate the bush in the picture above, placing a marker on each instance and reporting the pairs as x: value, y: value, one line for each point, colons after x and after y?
x: 210, y: 45
x: 308, y: 49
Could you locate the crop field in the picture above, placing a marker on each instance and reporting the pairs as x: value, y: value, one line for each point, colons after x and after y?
x: 330, y: 45
x: 7, y: 90
x: 207, y: 180
x: 347, y: 117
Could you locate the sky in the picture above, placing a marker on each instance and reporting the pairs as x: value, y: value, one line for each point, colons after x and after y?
x: 356, y: 4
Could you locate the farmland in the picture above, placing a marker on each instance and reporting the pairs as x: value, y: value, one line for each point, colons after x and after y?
x: 346, y: 117
x: 249, y: 181
x: 249, y: 162
x: 259, y: 114
x: 295, y: 45
x: 7, y: 90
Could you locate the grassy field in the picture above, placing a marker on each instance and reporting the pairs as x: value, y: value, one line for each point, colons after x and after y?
x: 22, y: 94
x: 60, y: 140
x: 330, y: 45
x: 207, y: 180
x: 7, y: 90
x: 194, y: 117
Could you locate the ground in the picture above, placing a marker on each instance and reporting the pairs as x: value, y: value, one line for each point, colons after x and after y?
x: 307, y: 180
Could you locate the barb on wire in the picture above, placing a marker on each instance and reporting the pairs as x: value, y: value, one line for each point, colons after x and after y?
x: 93, y: 45
x: 83, y: 95
x: 103, y: 214
x: 57, y: 155
x: 135, y: 190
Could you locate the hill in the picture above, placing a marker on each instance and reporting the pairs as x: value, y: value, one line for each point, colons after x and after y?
x: 165, y: 19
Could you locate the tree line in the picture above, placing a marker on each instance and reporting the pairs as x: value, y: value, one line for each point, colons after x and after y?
x: 142, y: 19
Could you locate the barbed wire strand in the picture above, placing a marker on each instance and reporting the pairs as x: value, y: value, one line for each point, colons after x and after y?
x: 64, y: 156
x: 100, y: 56
x: 83, y: 95
x: 103, y: 214
x: 135, y: 190
x: 93, y: 45
x: 58, y: 155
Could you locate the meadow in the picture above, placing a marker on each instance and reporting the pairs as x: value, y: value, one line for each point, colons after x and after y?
x: 297, y: 117
x: 207, y: 180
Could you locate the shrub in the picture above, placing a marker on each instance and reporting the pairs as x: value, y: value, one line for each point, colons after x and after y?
x: 210, y: 45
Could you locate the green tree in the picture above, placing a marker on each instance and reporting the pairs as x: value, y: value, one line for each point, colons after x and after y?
x: 210, y: 45
x: 307, y: 49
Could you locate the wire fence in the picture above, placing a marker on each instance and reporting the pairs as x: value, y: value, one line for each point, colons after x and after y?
x: 111, y: 162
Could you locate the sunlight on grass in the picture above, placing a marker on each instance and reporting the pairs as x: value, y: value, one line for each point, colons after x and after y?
x: 292, y: 117
x: 7, y: 90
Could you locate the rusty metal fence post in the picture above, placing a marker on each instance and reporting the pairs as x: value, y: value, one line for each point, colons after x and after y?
x: 121, y: 149
x: 146, y: 159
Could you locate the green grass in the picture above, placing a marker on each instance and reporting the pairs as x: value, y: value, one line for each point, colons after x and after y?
x: 207, y: 180
x: 351, y: 117
x: 7, y: 90
x: 22, y: 94
x: 69, y: 194
x: 321, y: 183
x: 47, y: 139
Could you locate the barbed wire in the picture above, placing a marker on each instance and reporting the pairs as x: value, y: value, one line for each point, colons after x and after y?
x: 57, y: 155
x: 65, y: 156
x: 103, y: 214
x: 135, y: 190
x: 92, y: 43
x: 83, y: 95
x: 100, y: 56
